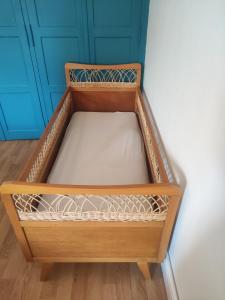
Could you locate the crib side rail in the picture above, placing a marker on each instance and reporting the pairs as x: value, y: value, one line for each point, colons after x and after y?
x: 17, y: 187
x: 91, y: 203
x: 156, y: 154
x: 37, y: 167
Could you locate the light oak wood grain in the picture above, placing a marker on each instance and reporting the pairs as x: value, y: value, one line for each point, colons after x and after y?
x: 144, y: 268
x: 9, y: 187
x: 94, y: 243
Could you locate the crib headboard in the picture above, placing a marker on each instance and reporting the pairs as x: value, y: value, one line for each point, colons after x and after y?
x: 81, y: 75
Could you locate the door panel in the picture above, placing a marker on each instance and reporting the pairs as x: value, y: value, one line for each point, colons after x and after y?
x: 7, y: 14
x: 112, y: 50
x: 56, y: 13
x: 114, y: 13
x: 13, y: 73
x: 55, y: 50
x: 14, y: 118
x: 60, y: 35
x: 114, y: 30
x: 20, y: 111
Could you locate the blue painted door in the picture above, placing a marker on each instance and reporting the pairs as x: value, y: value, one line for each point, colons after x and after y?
x: 117, y: 30
x: 60, y: 35
x: 20, y: 110
x: 37, y: 37
x: 85, y: 31
x: 2, y: 137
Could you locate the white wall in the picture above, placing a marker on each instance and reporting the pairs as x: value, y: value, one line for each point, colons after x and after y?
x: 185, y: 83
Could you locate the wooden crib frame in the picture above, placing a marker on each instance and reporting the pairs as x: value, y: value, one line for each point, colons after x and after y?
x: 49, y: 242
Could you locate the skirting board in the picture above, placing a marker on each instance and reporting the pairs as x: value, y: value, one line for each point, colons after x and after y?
x: 169, y: 279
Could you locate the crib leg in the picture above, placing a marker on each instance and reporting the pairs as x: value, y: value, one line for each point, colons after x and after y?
x: 144, y: 268
x: 45, y: 270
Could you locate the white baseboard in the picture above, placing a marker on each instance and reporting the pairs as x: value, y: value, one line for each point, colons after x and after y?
x: 169, y: 279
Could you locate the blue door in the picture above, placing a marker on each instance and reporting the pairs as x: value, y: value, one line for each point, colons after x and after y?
x: 117, y: 30
x: 85, y: 31
x: 20, y: 110
x: 2, y: 137
x: 59, y: 31
x: 37, y: 37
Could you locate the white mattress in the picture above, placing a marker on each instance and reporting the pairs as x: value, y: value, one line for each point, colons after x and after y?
x: 98, y: 149
x: 101, y: 149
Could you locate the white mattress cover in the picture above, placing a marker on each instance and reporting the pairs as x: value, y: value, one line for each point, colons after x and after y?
x: 98, y: 149
x: 101, y: 149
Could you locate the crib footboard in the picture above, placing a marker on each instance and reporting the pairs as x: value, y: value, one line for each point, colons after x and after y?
x: 50, y: 241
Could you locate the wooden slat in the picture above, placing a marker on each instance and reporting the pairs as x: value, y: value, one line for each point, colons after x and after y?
x: 72, y: 259
x: 104, y: 101
x: 150, y: 115
x: 92, y: 224
x: 42, y: 188
x: 102, y: 89
x: 154, y: 143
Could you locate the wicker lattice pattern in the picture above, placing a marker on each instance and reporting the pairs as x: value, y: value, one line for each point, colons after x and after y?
x: 51, y: 137
x: 91, y: 207
x: 109, y: 77
x: 150, y: 147
x: 169, y: 173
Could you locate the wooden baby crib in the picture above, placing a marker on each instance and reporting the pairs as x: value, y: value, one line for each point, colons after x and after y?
x: 130, y: 222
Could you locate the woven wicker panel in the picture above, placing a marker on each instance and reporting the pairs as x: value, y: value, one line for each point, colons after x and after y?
x: 91, y: 207
x: 106, y: 77
x: 150, y: 147
x: 169, y: 173
x: 50, y: 139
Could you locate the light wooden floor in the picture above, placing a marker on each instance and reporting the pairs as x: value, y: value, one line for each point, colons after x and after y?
x: 19, y: 280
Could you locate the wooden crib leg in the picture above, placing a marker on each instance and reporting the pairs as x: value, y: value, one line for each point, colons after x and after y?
x: 45, y: 270
x: 144, y: 268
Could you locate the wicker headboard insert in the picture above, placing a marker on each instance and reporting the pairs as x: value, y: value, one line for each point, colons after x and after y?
x: 79, y: 75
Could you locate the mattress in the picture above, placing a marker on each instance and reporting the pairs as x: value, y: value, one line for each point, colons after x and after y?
x: 101, y: 149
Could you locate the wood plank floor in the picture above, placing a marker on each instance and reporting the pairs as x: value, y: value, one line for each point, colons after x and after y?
x: 19, y: 280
